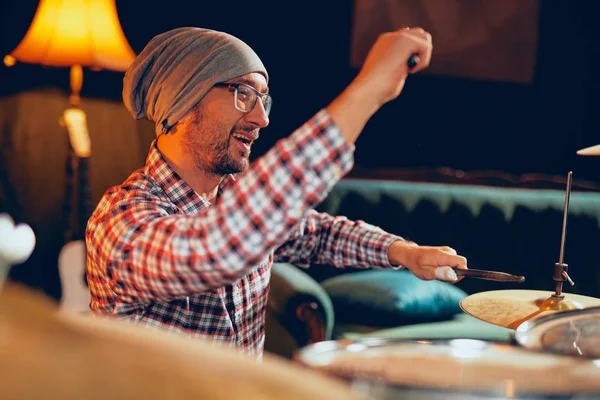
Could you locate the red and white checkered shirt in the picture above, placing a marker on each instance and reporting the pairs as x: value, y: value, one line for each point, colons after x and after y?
x: 160, y: 255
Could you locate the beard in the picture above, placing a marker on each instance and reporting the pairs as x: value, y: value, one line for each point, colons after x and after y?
x: 209, y: 145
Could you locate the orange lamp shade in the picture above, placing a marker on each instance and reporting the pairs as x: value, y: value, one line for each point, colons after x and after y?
x: 76, y: 32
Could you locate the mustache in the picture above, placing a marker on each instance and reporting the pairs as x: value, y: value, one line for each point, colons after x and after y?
x: 248, y: 129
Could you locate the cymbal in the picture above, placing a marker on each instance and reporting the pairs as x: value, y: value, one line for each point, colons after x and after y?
x: 510, y: 308
x: 590, y: 151
x: 48, y: 354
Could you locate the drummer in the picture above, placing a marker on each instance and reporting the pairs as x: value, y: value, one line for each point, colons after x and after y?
x: 187, y: 242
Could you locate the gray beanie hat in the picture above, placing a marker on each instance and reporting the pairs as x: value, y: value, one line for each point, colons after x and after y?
x: 177, y: 68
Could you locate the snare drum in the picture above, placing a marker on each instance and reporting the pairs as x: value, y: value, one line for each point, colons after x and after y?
x: 452, y: 369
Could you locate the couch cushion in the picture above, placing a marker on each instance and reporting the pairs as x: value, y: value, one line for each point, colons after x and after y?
x: 391, y: 298
x: 462, y: 326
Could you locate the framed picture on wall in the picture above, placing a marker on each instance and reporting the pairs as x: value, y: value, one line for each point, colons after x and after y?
x: 479, y: 39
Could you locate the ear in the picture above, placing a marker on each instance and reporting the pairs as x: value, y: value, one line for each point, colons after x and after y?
x: 188, y: 119
x: 181, y: 125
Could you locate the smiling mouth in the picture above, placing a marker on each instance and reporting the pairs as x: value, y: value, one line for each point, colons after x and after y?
x: 245, y: 139
x: 244, y: 143
x: 242, y: 139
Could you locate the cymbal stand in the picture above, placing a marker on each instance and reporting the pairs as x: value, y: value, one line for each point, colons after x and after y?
x: 560, y: 268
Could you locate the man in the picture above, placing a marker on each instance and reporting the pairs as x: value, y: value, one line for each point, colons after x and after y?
x: 184, y: 245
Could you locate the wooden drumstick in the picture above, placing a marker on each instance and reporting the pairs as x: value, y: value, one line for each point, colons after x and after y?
x: 489, y: 275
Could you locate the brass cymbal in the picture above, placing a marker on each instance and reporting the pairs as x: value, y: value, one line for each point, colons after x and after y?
x: 510, y: 308
x: 48, y: 354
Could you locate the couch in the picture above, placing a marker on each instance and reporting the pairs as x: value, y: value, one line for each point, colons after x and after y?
x: 509, y: 228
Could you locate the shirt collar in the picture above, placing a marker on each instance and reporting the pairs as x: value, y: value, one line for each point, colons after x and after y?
x: 178, y: 190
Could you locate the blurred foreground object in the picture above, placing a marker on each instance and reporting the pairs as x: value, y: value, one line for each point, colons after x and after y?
x: 16, y: 244
x: 49, y: 354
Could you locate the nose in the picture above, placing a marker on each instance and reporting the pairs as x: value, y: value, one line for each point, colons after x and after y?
x: 258, y: 115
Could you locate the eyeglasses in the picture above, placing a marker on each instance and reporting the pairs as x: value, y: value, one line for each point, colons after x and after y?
x: 245, y: 97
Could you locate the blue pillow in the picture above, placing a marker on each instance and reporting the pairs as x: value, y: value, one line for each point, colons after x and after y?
x: 391, y: 298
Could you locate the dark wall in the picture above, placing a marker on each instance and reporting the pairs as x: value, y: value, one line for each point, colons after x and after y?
x: 438, y: 121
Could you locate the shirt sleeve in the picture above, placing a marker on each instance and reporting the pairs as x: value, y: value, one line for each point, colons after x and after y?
x: 324, y: 239
x: 147, y: 254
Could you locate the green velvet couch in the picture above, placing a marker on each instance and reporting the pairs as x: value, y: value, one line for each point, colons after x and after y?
x: 511, y: 229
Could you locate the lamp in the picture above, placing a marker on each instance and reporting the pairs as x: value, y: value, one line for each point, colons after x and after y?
x: 75, y: 34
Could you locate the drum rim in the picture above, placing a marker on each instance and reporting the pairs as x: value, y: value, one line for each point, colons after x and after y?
x: 303, y: 354
x: 528, y: 335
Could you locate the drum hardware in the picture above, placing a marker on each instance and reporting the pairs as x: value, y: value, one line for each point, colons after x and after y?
x: 560, y: 268
x: 557, y: 302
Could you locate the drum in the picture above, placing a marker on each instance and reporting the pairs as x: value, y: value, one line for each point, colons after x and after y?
x: 452, y: 369
x: 46, y: 354
x: 575, y: 333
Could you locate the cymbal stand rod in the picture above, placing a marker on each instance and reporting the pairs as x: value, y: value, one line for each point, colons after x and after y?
x: 560, y: 268
x: 565, y: 215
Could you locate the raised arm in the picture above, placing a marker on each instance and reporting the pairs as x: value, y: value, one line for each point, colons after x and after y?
x: 381, y: 78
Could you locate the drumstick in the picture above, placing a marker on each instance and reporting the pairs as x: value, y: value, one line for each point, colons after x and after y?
x: 489, y: 275
x: 413, y: 60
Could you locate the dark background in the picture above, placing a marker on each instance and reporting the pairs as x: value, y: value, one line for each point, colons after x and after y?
x: 437, y: 122
x: 479, y: 127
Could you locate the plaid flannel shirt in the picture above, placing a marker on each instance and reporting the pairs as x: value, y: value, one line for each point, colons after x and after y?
x: 159, y: 255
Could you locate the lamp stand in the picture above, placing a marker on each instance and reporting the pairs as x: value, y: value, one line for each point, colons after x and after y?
x: 76, y: 84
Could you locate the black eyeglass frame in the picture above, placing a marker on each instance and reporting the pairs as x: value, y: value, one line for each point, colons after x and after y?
x: 265, y: 98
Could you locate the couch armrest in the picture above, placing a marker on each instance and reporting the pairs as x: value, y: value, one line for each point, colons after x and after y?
x: 309, y: 312
x: 300, y: 305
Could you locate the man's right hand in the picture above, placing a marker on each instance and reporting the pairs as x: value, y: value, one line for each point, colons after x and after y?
x: 380, y: 79
x: 386, y: 67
